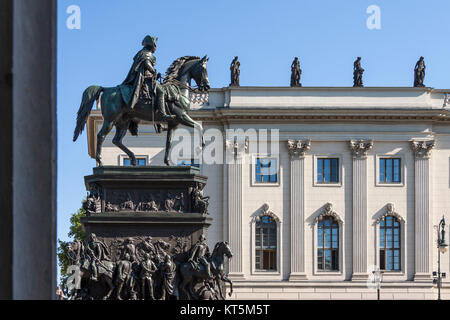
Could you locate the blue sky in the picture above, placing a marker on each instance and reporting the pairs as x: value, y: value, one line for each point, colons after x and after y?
x: 326, y: 35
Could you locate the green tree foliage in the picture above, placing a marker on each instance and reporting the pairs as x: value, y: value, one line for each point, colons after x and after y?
x: 77, y: 233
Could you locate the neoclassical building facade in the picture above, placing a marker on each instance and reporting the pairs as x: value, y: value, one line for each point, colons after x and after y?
x: 356, y: 179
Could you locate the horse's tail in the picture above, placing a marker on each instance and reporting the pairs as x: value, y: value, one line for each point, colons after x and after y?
x: 90, y: 95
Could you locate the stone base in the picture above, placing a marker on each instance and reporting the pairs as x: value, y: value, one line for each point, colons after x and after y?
x: 360, y: 277
x: 236, y: 276
x: 423, y: 277
x: 137, y: 216
x: 297, y: 276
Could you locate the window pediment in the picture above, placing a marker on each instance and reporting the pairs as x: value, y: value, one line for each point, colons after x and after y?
x: 390, y: 211
x: 328, y: 212
x: 264, y: 211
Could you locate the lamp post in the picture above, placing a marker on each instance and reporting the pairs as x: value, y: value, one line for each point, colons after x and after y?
x: 442, y: 248
x: 378, y: 277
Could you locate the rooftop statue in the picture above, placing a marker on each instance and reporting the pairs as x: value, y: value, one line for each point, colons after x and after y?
x: 296, y: 73
x: 419, y: 73
x: 142, y: 97
x: 357, y: 73
x: 235, y: 72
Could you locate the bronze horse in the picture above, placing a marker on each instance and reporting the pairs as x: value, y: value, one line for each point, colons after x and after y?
x: 189, y: 276
x: 106, y: 269
x: 116, y: 112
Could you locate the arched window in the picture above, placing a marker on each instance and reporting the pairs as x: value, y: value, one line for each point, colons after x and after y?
x: 390, y: 243
x: 265, y: 243
x: 327, y: 244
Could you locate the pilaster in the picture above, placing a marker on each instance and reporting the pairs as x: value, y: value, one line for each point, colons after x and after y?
x: 297, y: 151
x: 422, y: 153
x: 235, y: 150
x: 360, y: 149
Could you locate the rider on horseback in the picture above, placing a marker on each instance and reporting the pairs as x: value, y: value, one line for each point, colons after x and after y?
x: 199, y: 255
x: 143, y: 79
x: 97, y: 252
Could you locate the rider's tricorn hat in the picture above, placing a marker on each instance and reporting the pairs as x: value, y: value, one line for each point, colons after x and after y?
x: 149, y: 41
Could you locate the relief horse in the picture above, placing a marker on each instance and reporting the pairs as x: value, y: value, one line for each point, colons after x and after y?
x: 105, y: 273
x: 116, y: 112
x: 189, y: 276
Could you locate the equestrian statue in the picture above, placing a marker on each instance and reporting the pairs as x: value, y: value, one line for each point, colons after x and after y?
x: 142, y: 97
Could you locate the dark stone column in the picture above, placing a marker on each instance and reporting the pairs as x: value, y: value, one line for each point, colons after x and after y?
x: 28, y: 139
x: 6, y: 160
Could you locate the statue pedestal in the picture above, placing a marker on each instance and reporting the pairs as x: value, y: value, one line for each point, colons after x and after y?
x: 139, y: 210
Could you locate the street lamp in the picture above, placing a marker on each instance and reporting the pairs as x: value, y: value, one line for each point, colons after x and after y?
x: 442, y: 248
x: 378, y: 277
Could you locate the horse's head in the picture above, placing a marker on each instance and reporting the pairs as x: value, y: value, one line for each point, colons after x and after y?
x: 199, y: 73
x: 189, y: 67
x: 74, y: 252
x: 223, y: 249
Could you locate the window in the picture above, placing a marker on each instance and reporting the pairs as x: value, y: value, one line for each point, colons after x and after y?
x: 328, y: 170
x: 266, y: 170
x: 390, y: 244
x: 140, y: 162
x: 328, y: 244
x: 266, y: 244
x: 192, y: 163
x: 390, y: 170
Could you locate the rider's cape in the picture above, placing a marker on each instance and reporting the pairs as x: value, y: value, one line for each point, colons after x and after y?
x: 131, y: 87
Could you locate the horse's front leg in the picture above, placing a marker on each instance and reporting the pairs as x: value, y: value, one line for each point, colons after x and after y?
x: 186, y: 120
x: 218, y: 284
x: 225, y: 278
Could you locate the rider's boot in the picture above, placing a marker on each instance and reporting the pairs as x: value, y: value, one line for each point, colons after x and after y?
x: 162, y: 108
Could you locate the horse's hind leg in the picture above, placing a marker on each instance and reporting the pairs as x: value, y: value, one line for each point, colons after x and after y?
x: 170, y: 130
x: 121, y: 131
x: 107, y: 126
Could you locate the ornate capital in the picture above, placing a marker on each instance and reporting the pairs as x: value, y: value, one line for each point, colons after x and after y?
x: 446, y: 100
x: 298, y: 148
x: 422, y: 149
x: 328, y: 212
x: 360, y: 148
x: 236, y: 147
x: 390, y: 211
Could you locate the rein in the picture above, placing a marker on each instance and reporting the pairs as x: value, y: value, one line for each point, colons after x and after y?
x: 182, y: 85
